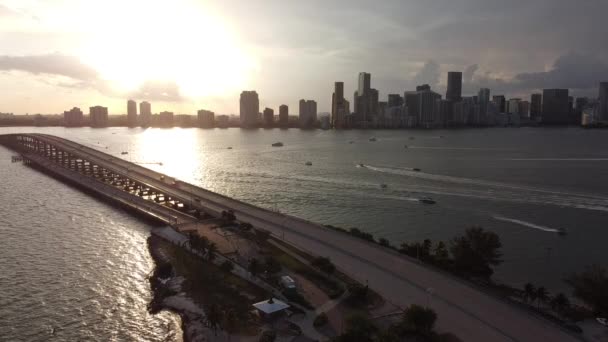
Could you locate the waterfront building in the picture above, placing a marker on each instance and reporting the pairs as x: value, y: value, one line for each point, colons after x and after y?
x: 206, y: 118
x: 536, y: 105
x: 513, y: 106
x: 73, y: 117
x: 603, y: 102
x: 524, y: 109
x: 454, y: 89
x: 325, y: 122
x: 308, y: 113
x: 165, y: 119
x: 365, y: 101
x: 394, y: 100
x: 555, y: 107
x: 145, y: 113
x: 223, y: 121
x: 500, y: 102
x: 441, y: 112
x: 426, y: 107
x: 283, y: 115
x: 131, y: 113
x: 98, y: 116
x: 340, y: 107
x: 249, y: 109
x: 483, y: 99
x: 268, y: 117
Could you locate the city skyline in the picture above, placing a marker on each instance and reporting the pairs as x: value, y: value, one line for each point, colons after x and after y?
x: 505, y: 47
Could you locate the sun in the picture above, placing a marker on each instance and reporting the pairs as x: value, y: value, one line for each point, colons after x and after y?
x: 131, y: 42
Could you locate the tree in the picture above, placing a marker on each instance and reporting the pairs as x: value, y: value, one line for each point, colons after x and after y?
x: 254, y: 267
x: 227, y: 266
x: 542, y: 295
x: 231, y: 321
x: 476, y: 251
x: 268, y: 336
x: 559, y: 303
x: 441, y: 253
x: 591, y: 287
x: 214, y: 317
x: 272, y: 266
x: 529, y: 293
x: 384, y: 242
x: 419, y: 319
x: 358, y: 328
x: 211, y: 251
x: 324, y: 264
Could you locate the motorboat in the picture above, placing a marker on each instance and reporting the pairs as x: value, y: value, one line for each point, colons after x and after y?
x: 277, y: 144
x: 562, y: 232
x: 405, y: 146
x: 373, y: 139
x: 308, y: 163
x: 361, y: 165
x: 124, y: 152
x: 350, y: 142
x: 383, y: 186
x: 416, y: 169
x: 412, y: 138
x: 427, y: 200
x: 230, y: 147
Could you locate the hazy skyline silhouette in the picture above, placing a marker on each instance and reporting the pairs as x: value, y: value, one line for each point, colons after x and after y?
x: 201, y: 54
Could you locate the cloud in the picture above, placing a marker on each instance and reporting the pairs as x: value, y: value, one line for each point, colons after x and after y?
x: 53, y: 64
x: 159, y: 91
x: 5, y: 11
x: 429, y: 74
x: 469, y: 72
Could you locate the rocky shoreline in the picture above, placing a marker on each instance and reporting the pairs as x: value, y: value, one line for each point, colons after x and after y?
x: 167, y: 294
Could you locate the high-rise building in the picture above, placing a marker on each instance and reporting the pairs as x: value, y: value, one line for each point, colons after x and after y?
x: 536, y: 106
x: 454, y: 91
x: 394, y: 100
x: 513, y: 106
x: 165, y: 119
x: 441, y: 112
x: 483, y: 99
x: 308, y: 113
x: 524, y: 109
x: 268, y: 117
x: 73, y: 117
x: 556, y: 109
x: 132, y: 113
x: 421, y: 106
x: 365, y: 101
x: 98, y: 116
x: 283, y: 115
x: 206, y: 118
x: 340, y: 107
x: 145, y: 113
x: 602, y: 108
x: 249, y: 109
x: 501, y: 103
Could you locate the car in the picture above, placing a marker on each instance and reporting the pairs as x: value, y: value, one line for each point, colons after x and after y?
x: 603, y: 321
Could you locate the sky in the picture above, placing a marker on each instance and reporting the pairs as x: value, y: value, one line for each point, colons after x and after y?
x: 185, y: 55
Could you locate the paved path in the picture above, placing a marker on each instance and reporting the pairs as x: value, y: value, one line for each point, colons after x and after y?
x: 463, y: 310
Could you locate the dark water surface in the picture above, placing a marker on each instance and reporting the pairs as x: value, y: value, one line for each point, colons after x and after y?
x: 525, y: 184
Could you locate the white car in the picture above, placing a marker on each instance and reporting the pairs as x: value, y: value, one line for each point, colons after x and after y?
x: 602, y: 321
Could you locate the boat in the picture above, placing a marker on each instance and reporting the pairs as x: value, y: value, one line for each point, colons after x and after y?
x: 277, y: 144
x: 383, y: 186
x: 230, y: 147
x: 350, y: 142
x: 373, y: 139
x: 562, y: 232
x: 427, y: 200
x: 361, y: 165
x: 416, y: 169
x: 406, y: 146
x: 124, y: 152
x: 308, y: 163
x: 412, y: 138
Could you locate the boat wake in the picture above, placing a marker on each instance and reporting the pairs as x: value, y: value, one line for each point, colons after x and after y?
x: 528, y: 224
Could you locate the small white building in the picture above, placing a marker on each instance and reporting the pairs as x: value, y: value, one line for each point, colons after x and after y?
x: 270, y: 308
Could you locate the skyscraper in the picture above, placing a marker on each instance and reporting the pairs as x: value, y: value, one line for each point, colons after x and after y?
x: 308, y: 113
x: 145, y: 113
x: 268, y: 117
x: 536, y: 106
x: 249, y: 108
x: 454, y: 91
x: 98, y: 116
x: 283, y: 116
x: 483, y: 99
x: 556, y: 109
x: 394, y: 100
x: 501, y: 103
x: 339, y: 106
x: 131, y: 113
x: 206, y: 118
x: 364, y: 84
x: 73, y: 118
x: 365, y: 100
x: 603, y: 102
x: 165, y: 119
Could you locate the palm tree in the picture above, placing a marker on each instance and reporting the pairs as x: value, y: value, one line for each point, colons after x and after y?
x: 231, y: 321
x: 542, y: 295
x: 559, y: 302
x: 529, y: 293
x: 211, y: 251
x: 214, y: 317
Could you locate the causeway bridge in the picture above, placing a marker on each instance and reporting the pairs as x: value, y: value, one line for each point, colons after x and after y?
x: 462, y: 309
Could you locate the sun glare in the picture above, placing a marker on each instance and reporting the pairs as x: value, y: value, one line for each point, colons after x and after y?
x: 132, y: 42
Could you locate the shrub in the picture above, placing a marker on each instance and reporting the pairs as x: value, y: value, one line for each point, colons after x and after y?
x: 324, y: 264
x: 320, y: 320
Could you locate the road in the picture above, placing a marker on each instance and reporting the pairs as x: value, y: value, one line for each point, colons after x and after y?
x: 462, y: 309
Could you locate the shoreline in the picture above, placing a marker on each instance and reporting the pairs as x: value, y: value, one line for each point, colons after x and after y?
x: 167, y: 295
